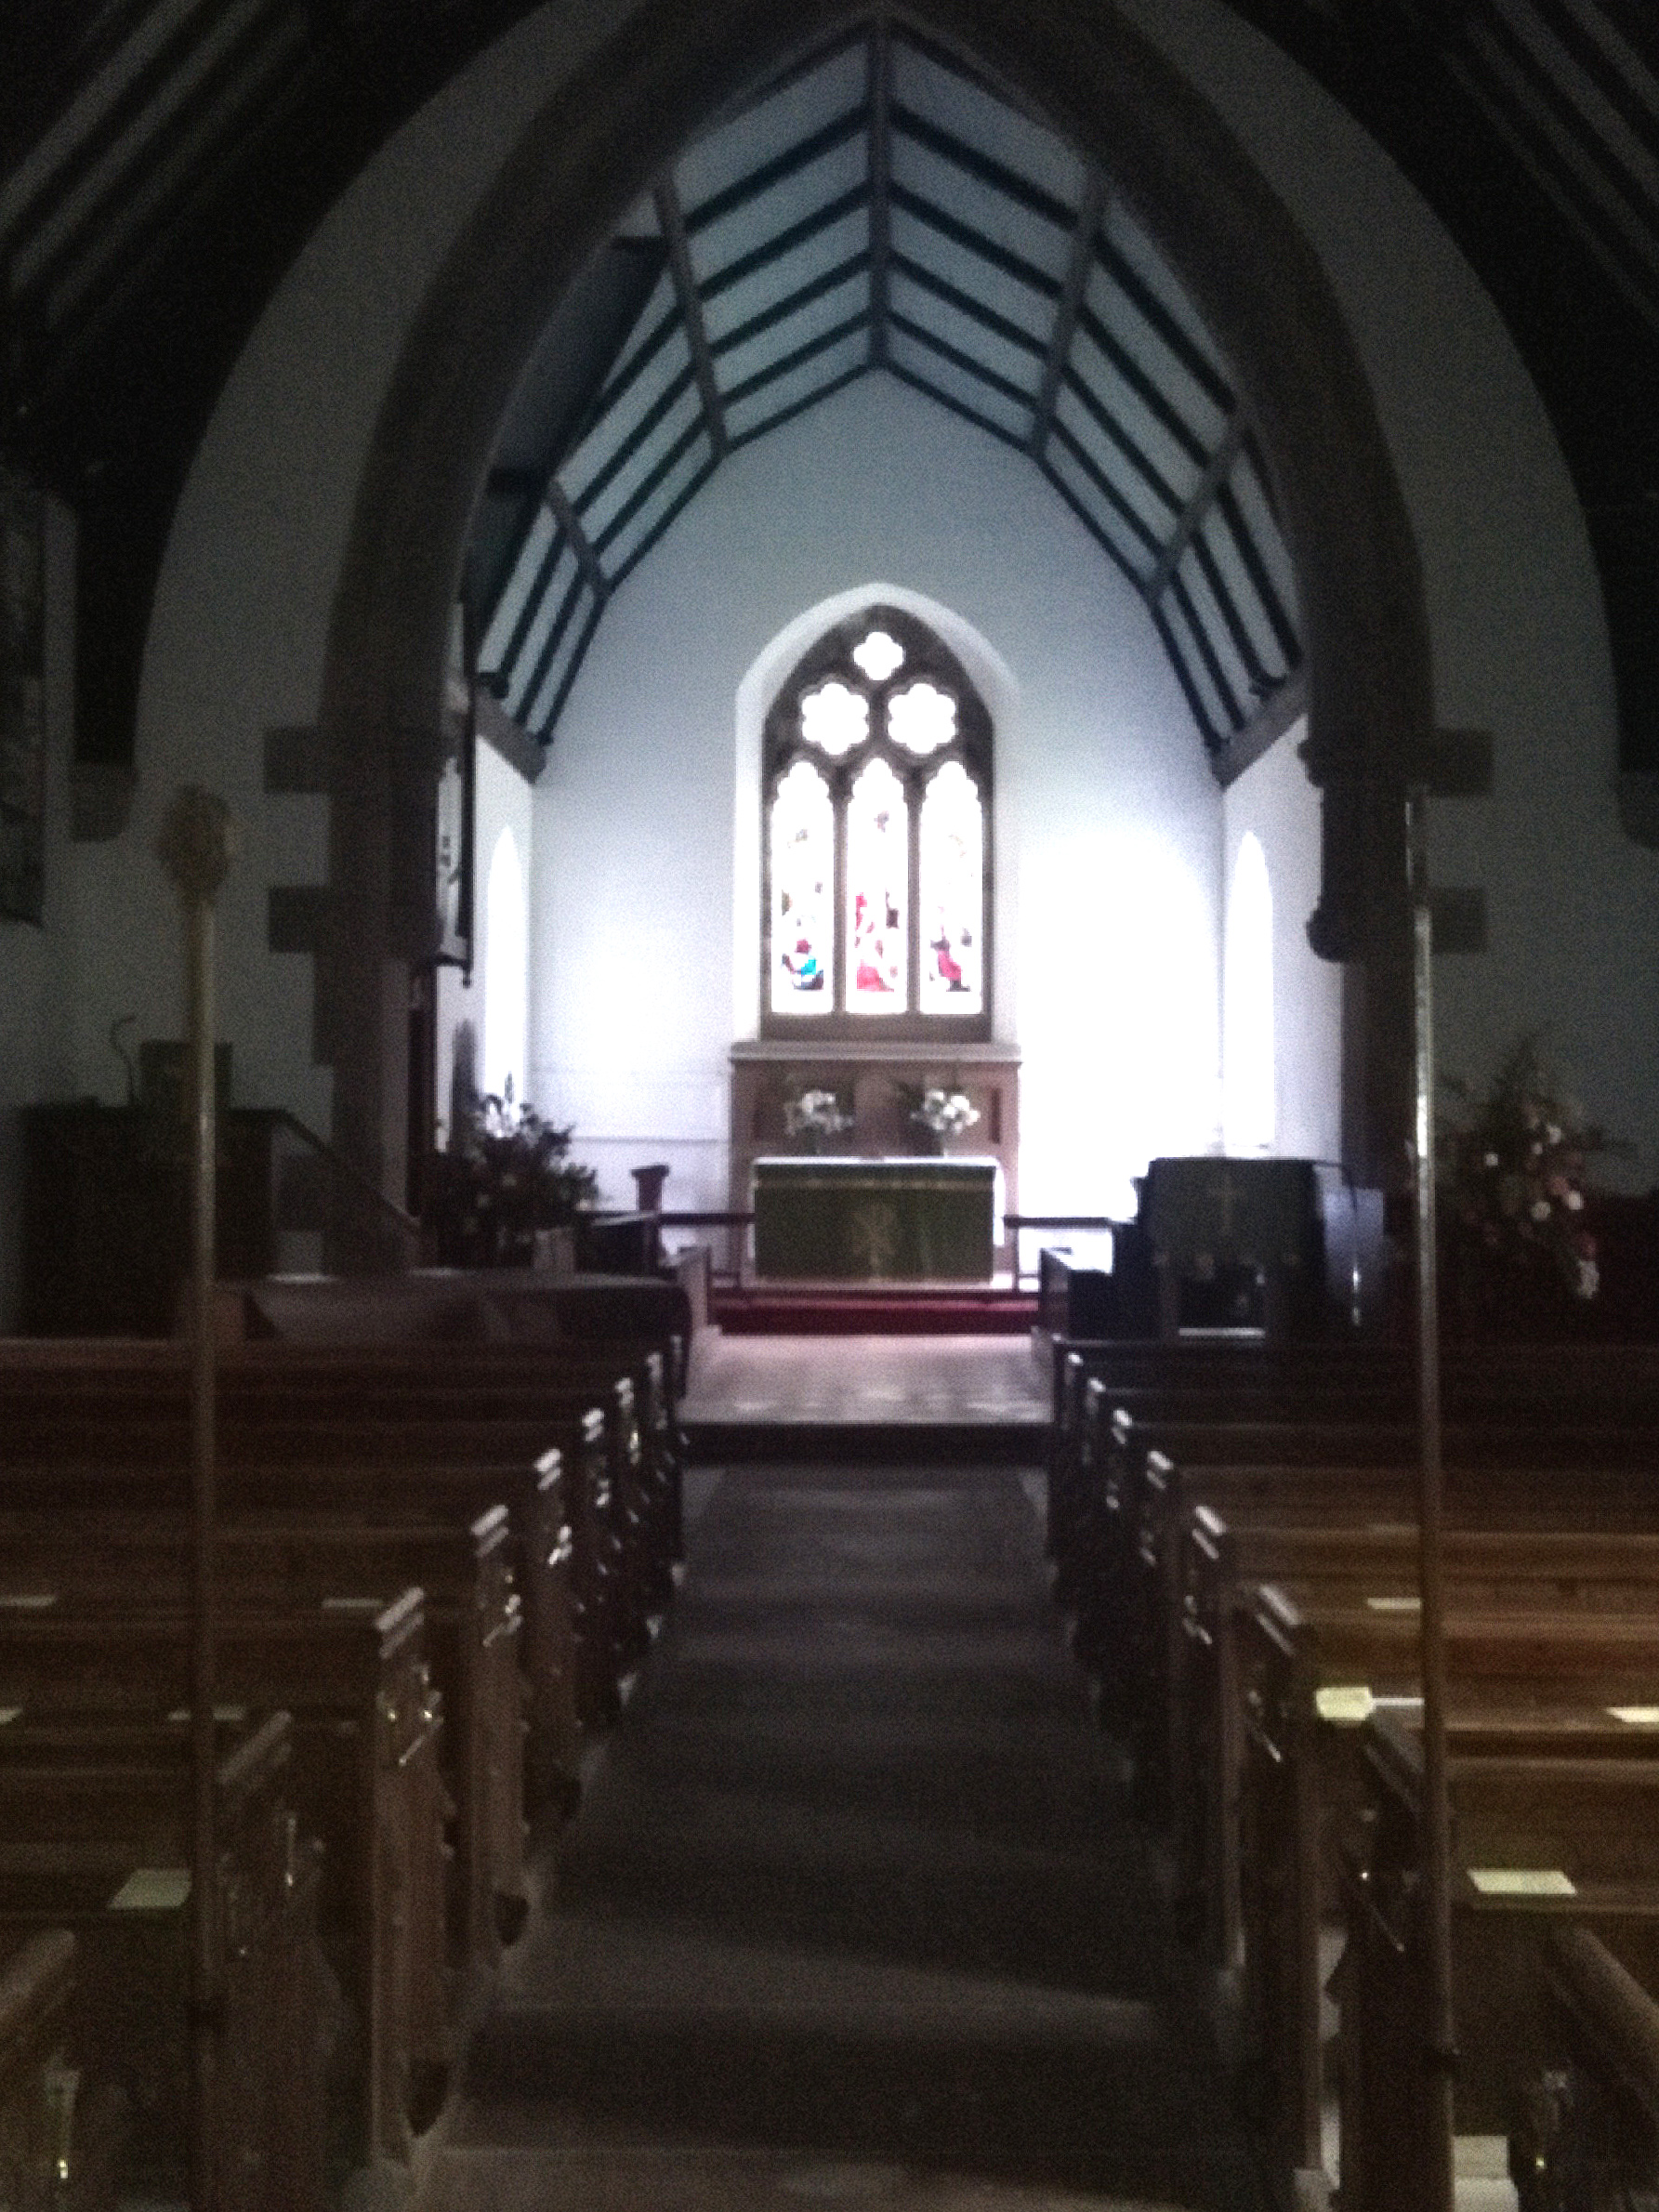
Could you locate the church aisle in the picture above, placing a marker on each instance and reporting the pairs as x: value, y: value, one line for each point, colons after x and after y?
x: 855, y: 1912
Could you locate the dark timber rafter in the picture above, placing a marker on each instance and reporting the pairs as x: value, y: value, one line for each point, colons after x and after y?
x: 1217, y: 471
x: 672, y: 218
x: 581, y: 544
x: 1090, y: 215
x: 881, y: 178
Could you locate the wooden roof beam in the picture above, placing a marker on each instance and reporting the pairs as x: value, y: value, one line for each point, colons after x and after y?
x: 671, y: 217
x: 1091, y: 213
x: 581, y: 544
x: 881, y: 175
x: 1217, y: 471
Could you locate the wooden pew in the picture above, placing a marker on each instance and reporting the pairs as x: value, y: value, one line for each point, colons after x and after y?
x: 1581, y: 1386
x: 1129, y: 1577
x: 1124, y: 1561
x: 1540, y: 1841
x: 1504, y: 1547
x: 270, y: 1561
x: 40, y: 1452
x: 630, y: 1379
x: 1297, y: 1779
x: 1586, y: 2130
x: 1124, y: 1366
x: 365, y: 1776
x: 563, y: 1560
x: 58, y: 1410
x: 58, y: 2147
x: 97, y: 1848
x: 399, y: 1462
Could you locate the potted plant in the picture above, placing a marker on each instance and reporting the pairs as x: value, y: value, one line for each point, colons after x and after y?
x: 506, y: 1178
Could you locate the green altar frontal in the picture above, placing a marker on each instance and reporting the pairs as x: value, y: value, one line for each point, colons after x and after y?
x: 875, y: 1220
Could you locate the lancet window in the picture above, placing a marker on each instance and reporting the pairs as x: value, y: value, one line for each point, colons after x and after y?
x: 876, y: 787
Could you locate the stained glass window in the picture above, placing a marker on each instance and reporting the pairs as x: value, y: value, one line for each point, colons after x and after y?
x: 876, y: 766
x: 803, y: 875
x: 877, y: 892
x: 951, y: 864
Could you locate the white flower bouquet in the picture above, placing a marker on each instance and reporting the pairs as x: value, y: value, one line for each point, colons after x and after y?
x: 935, y: 1112
x: 812, y: 1117
x: 946, y: 1112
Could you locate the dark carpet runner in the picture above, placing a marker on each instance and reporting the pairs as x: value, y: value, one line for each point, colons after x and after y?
x: 854, y: 1885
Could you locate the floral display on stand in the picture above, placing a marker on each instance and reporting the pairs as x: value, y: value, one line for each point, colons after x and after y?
x: 506, y: 1176
x: 1512, y: 1176
x: 815, y: 1118
x: 935, y: 1113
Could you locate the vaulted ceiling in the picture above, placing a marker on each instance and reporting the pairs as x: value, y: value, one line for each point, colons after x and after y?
x: 162, y: 161
x: 880, y: 209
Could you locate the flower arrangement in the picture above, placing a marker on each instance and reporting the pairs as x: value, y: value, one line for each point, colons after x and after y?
x: 935, y: 1112
x: 1512, y: 1169
x: 812, y: 1117
x: 505, y: 1175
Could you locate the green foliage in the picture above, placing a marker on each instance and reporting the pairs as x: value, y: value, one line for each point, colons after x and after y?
x: 506, y: 1174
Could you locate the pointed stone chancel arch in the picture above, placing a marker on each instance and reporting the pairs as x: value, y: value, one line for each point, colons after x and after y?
x: 596, y: 144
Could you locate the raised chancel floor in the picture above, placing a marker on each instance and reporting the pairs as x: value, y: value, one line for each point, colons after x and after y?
x: 851, y: 1382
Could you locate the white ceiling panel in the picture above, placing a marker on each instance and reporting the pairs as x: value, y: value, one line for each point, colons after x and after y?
x: 736, y: 365
x: 737, y: 149
x: 954, y: 103
x: 797, y: 387
x: 733, y: 305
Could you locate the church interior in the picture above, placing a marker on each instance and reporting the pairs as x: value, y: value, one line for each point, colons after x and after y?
x: 829, y: 1105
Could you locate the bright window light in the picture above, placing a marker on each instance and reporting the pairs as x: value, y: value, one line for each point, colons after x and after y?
x: 507, y: 970
x: 835, y: 717
x: 878, y: 656
x: 1248, y: 1064
x: 922, y: 718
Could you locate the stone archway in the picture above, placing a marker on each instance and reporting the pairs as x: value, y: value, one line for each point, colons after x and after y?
x: 591, y: 149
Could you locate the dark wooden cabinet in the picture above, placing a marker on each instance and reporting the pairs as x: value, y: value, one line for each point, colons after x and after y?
x: 106, y: 1220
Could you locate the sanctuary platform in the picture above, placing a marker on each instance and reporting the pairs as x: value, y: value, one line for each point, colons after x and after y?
x: 868, y: 1309
x: 874, y: 1399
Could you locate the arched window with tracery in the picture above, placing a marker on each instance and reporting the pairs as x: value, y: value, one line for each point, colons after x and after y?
x: 877, y: 790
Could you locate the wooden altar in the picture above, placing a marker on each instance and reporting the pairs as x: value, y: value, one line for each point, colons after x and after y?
x: 893, y: 1220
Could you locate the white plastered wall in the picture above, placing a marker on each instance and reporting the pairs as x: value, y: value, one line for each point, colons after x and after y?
x: 1106, y: 816
x: 1274, y: 802
x: 1515, y: 612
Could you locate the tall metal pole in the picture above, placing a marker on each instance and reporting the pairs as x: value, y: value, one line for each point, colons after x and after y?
x: 195, y: 847
x: 1440, y: 2027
